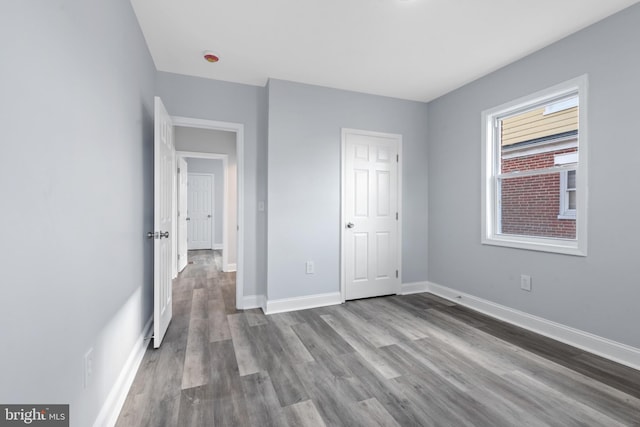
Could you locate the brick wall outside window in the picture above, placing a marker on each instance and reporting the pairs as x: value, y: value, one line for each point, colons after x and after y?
x: 530, y: 205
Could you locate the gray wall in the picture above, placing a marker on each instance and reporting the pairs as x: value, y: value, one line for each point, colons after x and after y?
x: 213, y: 167
x: 215, y: 100
x: 76, y: 183
x: 598, y: 293
x: 304, y: 182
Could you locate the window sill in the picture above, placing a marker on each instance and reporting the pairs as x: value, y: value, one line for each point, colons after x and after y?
x: 558, y: 246
x: 567, y: 216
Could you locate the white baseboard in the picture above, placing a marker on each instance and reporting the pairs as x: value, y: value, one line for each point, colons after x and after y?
x: 612, y: 350
x: 113, y: 405
x: 414, y: 288
x: 253, y: 301
x: 217, y: 246
x: 229, y: 268
x: 302, y: 303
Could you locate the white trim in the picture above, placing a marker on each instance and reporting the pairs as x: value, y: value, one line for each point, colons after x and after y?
x: 112, y: 406
x: 302, y: 303
x: 490, y: 211
x: 254, y: 301
x: 218, y: 246
x: 238, y: 128
x: 414, y: 288
x: 230, y: 268
x: 609, y: 349
x: 398, y: 139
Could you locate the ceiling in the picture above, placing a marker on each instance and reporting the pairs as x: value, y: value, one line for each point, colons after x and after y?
x: 409, y: 49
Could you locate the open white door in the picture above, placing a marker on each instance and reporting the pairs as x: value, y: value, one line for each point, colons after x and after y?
x: 164, y: 165
x: 370, y: 214
x: 182, y: 213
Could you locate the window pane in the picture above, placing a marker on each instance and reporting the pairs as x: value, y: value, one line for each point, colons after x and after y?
x: 529, y: 206
x: 572, y: 199
x: 571, y: 179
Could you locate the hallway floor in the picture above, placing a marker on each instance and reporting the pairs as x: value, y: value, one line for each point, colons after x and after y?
x: 414, y: 360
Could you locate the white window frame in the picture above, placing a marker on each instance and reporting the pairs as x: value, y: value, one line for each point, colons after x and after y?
x: 490, y: 171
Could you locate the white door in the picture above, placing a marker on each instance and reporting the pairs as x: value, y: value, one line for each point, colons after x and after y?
x: 164, y: 154
x: 200, y: 201
x: 182, y: 214
x: 370, y: 234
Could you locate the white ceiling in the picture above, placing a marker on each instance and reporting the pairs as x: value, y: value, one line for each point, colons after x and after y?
x: 411, y: 49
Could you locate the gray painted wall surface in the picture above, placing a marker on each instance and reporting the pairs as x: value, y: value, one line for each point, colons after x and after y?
x: 304, y: 182
x: 213, y: 167
x: 599, y: 293
x: 221, y: 101
x: 77, y: 194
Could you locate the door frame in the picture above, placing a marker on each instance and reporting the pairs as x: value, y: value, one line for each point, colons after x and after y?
x: 238, y: 129
x: 343, y: 214
x: 225, y: 197
x: 213, y: 203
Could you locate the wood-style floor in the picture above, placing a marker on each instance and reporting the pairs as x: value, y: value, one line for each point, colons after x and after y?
x: 414, y: 360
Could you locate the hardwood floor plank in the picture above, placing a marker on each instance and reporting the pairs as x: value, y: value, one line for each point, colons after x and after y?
x: 372, y: 413
x: 304, y: 414
x: 255, y: 317
x: 196, y: 369
x: 269, y: 355
x: 262, y: 401
x: 218, y: 324
x: 290, y: 342
x: 608, y: 372
x: 387, y: 392
x: 196, y: 407
x: 374, y: 334
x: 318, y: 338
x: 224, y: 372
x: 247, y: 363
x: 366, y: 349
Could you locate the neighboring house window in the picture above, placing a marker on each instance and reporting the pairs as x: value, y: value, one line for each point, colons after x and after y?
x: 568, y: 193
x: 534, y: 170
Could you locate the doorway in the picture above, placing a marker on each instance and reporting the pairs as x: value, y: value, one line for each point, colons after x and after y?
x: 233, y: 223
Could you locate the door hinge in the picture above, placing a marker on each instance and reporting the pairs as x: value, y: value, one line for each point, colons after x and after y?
x: 178, y: 256
x: 396, y: 274
x: 178, y: 170
x: 396, y: 216
x: 397, y: 158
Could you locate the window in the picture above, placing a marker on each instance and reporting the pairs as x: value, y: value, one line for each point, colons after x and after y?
x: 534, y: 170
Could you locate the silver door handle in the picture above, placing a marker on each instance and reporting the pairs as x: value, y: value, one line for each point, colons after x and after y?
x: 152, y: 235
x: 350, y: 225
x: 165, y: 234
x: 188, y: 219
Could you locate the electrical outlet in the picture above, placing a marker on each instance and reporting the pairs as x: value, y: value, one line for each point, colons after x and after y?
x: 88, y: 367
x: 310, y: 268
x: 525, y: 282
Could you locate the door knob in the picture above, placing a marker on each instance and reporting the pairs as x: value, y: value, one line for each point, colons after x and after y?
x: 151, y: 235
x: 188, y: 219
x: 165, y: 234
x: 208, y: 216
x: 350, y: 225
